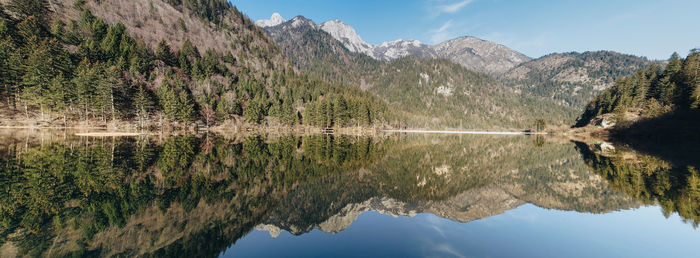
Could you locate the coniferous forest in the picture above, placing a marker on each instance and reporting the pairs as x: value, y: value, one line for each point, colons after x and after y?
x: 71, y: 70
x: 652, y: 92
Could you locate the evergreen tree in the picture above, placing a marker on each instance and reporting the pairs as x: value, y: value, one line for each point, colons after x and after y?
x: 168, y: 100
x: 186, y: 107
x: 341, y: 111
x: 85, y: 81
x: 255, y: 110
x: 60, y: 94
x: 111, y: 43
x: 8, y: 68
x: 164, y: 53
x: 143, y: 104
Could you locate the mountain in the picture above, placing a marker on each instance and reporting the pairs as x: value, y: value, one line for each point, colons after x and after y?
x: 473, y: 53
x: 572, y: 79
x: 388, y: 51
x: 451, y: 182
x: 430, y: 93
x: 318, y: 53
x: 480, y: 55
x: 275, y: 19
x: 347, y: 35
x: 424, y: 92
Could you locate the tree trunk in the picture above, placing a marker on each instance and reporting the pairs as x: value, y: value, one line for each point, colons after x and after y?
x: 112, y: 104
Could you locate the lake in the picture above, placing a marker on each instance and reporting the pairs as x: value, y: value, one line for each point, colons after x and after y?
x: 401, y: 195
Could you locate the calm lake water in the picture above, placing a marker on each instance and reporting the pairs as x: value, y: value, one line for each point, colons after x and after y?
x: 393, y: 195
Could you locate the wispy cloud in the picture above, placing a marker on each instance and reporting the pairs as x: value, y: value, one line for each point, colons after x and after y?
x: 453, y: 8
x: 440, y: 7
x: 442, y: 33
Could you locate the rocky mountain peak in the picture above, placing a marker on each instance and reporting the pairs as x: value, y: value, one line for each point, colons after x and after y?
x: 275, y: 19
x: 388, y: 51
x: 347, y: 35
x: 480, y: 55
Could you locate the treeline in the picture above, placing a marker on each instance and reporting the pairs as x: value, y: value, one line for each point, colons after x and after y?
x: 87, y: 70
x: 653, y: 91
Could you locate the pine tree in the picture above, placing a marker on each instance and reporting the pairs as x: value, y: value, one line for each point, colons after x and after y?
x: 143, y: 104
x: 691, y: 74
x: 8, y: 71
x: 186, y: 107
x: 168, y: 100
x: 341, y: 111
x: 164, y: 53
x: 110, y: 84
x: 255, y: 110
x: 111, y: 42
x: 59, y: 95
x: 85, y: 81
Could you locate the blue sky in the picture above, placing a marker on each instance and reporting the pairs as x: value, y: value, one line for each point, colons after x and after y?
x: 654, y: 29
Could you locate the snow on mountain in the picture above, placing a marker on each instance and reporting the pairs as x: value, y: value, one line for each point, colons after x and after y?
x: 472, y: 53
x: 388, y: 51
x: 275, y: 19
x: 347, y: 35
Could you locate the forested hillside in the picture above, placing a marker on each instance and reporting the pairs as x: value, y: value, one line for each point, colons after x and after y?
x: 94, y: 62
x: 652, y: 92
x: 572, y: 79
x: 439, y: 93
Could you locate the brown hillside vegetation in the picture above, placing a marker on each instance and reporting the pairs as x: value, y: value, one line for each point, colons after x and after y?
x: 154, y: 20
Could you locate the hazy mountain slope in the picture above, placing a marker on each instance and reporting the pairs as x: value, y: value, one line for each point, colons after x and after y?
x: 572, y: 79
x: 480, y: 55
x: 439, y: 93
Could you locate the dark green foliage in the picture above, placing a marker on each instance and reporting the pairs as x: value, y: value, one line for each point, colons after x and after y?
x: 652, y: 91
x: 652, y: 181
x: 164, y: 53
x: 255, y: 110
x: 108, y: 75
x: 176, y: 101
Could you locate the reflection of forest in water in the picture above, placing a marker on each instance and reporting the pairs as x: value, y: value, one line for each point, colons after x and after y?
x: 650, y: 180
x: 198, y: 195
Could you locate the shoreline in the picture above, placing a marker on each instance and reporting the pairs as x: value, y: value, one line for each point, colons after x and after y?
x: 464, y: 132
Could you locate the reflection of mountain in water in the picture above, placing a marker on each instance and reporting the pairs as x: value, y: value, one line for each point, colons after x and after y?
x: 188, y: 195
x: 458, y: 178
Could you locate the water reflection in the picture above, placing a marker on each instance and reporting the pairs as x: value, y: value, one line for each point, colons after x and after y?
x: 187, y: 195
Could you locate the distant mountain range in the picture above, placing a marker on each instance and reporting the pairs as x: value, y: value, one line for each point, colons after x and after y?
x: 475, y: 54
x: 568, y: 79
x: 425, y: 91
